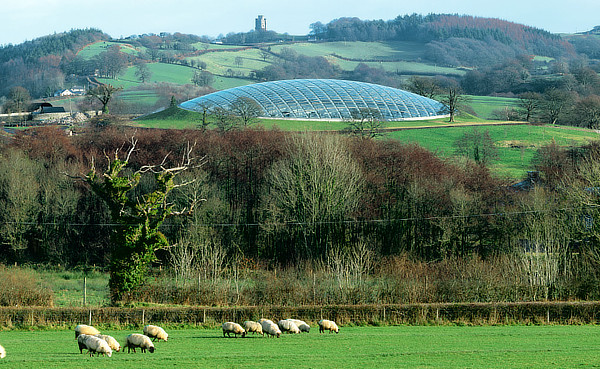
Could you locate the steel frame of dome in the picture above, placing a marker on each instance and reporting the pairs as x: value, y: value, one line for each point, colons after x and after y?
x: 324, y: 99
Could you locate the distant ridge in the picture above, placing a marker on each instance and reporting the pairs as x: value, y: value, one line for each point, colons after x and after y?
x: 593, y: 31
x: 452, y: 39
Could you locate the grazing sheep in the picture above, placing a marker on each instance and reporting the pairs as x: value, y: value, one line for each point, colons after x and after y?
x: 301, y: 325
x: 94, y: 345
x: 155, y: 332
x: 288, y: 326
x: 2, y: 352
x: 81, y: 342
x: 231, y: 327
x: 270, y: 328
x: 255, y: 327
x: 85, y: 329
x: 329, y: 325
x: 114, y: 345
x: 135, y: 340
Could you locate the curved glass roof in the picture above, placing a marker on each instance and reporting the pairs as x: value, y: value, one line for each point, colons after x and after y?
x: 327, y: 99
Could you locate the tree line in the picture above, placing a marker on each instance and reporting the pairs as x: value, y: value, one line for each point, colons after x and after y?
x: 284, y: 198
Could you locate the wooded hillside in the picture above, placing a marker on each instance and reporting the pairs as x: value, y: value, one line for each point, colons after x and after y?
x: 452, y: 39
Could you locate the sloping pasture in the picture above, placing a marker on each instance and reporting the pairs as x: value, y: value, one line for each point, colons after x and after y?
x: 98, y: 47
x: 516, y: 143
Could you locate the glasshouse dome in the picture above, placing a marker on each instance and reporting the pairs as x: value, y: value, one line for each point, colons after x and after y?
x: 324, y: 99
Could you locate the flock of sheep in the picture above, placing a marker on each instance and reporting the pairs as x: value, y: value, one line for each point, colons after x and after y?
x: 90, y: 339
x: 266, y: 326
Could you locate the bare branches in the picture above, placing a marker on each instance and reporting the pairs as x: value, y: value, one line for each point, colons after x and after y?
x: 133, y: 142
x: 136, y: 244
x: 187, y: 162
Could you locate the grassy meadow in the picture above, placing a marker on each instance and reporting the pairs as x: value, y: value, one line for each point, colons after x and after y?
x: 484, y: 106
x: 98, y: 47
x: 516, y: 143
x: 400, y: 50
x: 68, y: 286
x: 220, y: 62
x: 353, y: 347
x: 399, y: 56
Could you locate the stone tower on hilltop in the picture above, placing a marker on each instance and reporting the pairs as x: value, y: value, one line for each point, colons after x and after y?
x: 260, y: 23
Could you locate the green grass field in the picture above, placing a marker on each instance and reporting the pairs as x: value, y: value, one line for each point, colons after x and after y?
x: 206, y: 46
x: 220, y: 62
x: 484, y: 106
x: 353, y: 347
x: 399, y: 50
x: 402, y: 57
x: 181, y: 119
x: 101, y: 46
x: 67, y: 287
x: 516, y: 143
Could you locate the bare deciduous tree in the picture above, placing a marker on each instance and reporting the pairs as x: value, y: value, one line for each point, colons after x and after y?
x: 246, y: 109
x: 424, y: 86
x: 545, y: 238
x: 555, y: 103
x: 142, y: 72
x: 529, y: 103
x: 453, y: 101
x: 366, y: 123
x: 319, y: 183
x: 104, y: 93
x: 477, y: 145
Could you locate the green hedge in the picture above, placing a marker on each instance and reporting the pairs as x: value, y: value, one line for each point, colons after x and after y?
x: 472, y: 314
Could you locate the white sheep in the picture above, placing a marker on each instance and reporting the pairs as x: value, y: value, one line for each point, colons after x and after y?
x: 301, y: 325
x: 155, y: 332
x: 255, y: 327
x: 270, y: 328
x: 94, y: 345
x: 2, y: 352
x: 329, y: 325
x: 231, y: 327
x: 113, y: 343
x: 85, y: 329
x: 81, y: 342
x: 135, y: 340
x: 288, y: 326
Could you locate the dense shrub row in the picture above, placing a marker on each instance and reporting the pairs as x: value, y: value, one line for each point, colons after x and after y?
x: 471, y: 314
x: 20, y: 287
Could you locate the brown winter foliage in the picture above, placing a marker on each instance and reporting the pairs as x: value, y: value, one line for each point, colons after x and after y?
x: 424, y: 229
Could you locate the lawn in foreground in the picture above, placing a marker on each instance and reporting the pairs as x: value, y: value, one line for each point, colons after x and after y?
x: 354, y: 347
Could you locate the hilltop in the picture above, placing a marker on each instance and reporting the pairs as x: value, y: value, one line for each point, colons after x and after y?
x: 437, y: 44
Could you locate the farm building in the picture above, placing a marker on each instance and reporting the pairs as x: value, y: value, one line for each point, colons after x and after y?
x: 46, y: 108
x: 75, y: 91
x: 324, y: 99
